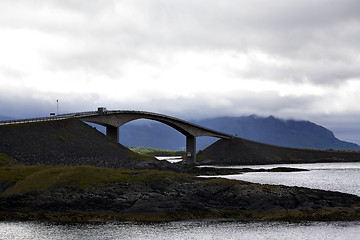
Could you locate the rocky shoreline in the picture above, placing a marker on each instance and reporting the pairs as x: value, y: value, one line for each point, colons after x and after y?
x: 167, y: 196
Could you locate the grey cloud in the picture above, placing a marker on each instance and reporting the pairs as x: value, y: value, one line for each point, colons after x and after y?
x: 28, y: 103
x: 318, y: 42
x: 307, y: 32
x: 11, y: 73
x: 231, y: 104
x: 316, y: 38
x: 319, y: 72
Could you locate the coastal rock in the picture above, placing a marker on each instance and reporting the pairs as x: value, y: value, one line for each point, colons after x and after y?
x: 239, y: 151
x: 193, y: 198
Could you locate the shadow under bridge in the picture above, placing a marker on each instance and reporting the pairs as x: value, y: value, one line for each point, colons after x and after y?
x: 112, y: 120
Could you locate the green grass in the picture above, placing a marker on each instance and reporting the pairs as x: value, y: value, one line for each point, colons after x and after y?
x: 156, y: 152
x: 6, y: 160
x: 17, y: 173
x: 40, y: 178
x: 274, y: 157
x: 61, y: 138
x: 143, y: 150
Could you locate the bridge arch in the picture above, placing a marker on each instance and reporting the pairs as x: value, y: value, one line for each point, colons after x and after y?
x: 112, y: 120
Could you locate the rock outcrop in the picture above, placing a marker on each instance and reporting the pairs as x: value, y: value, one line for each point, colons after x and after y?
x: 239, y: 151
x: 161, y: 196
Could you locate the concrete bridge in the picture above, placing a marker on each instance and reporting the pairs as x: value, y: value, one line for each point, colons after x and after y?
x: 112, y: 120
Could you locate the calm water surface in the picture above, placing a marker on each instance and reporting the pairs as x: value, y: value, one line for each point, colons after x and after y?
x: 343, y: 177
x: 181, y: 230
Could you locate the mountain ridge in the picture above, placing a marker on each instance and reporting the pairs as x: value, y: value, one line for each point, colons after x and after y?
x: 269, y: 130
x: 280, y: 132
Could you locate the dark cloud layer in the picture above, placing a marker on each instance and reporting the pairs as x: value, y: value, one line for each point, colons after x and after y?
x: 293, y: 59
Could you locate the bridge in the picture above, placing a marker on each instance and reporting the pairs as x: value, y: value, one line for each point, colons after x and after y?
x: 112, y: 120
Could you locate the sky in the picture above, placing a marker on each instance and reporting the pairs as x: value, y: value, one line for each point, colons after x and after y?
x: 192, y: 59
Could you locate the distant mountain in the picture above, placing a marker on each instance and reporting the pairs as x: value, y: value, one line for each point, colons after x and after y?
x: 270, y: 130
x: 287, y: 133
x: 2, y: 118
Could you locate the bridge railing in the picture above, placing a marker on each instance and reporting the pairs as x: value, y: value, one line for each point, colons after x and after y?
x: 94, y: 113
x: 78, y: 114
x: 176, y: 119
x: 28, y: 120
x: 51, y: 118
x: 168, y: 117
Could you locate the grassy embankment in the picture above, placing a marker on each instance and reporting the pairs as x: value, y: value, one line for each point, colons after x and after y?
x: 40, y: 178
x: 46, y: 179
x: 5, y: 160
x: 156, y: 152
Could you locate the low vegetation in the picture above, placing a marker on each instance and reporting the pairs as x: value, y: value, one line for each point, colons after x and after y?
x: 156, y: 152
x: 139, y: 156
x: 40, y: 178
x: 85, y: 193
x: 5, y: 160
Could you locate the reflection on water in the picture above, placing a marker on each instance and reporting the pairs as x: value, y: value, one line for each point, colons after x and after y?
x: 342, y: 177
x: 181, y: 230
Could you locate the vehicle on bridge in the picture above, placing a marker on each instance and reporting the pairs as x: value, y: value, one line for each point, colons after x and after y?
x: 102, y: 110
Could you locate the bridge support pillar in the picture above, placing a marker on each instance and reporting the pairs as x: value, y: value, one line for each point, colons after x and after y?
x: 190, y: 149
x: 113, y: 132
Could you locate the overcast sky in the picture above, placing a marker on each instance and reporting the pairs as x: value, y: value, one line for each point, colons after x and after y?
x: 187, y: 58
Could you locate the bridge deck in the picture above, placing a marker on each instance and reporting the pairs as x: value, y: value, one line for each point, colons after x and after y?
x: 114, y: 119
x: 80, y: 115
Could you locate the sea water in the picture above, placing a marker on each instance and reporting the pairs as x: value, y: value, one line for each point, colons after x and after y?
x: 181, y: 230
x: 343, y: 177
